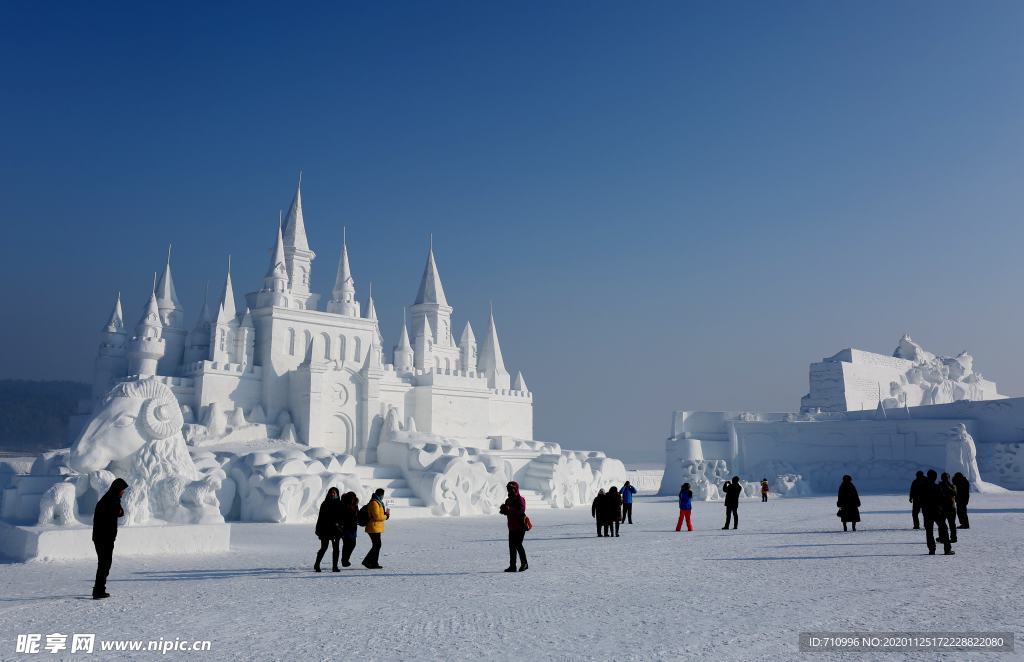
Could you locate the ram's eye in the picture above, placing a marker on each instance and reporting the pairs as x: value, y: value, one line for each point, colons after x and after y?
x: 124, y: 420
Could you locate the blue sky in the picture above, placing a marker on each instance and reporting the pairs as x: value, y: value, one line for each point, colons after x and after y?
x: 671, y: 204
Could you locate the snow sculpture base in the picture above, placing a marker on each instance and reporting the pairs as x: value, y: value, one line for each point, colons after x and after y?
x: 24, y: 543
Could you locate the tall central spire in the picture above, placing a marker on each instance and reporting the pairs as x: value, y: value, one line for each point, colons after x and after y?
x: 431, y: 290
x: 295, y: 227
x: 298, y: 256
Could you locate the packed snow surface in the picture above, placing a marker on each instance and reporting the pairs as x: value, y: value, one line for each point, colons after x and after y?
x: 650, y: 594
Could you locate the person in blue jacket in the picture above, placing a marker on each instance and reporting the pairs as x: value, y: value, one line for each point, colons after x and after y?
x: 627, y: 492
x: 685, y: 507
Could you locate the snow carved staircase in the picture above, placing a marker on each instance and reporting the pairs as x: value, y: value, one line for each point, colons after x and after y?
x: 397, y: 492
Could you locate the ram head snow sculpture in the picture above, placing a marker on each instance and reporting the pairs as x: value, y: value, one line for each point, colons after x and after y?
x: 136, y: 434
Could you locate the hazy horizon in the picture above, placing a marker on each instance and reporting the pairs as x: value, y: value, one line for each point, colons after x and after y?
x: 671, y: 205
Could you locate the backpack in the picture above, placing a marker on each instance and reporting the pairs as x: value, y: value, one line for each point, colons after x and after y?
x: 363, y: 516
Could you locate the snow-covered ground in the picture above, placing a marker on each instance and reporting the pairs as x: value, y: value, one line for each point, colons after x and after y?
x: 650, y: 594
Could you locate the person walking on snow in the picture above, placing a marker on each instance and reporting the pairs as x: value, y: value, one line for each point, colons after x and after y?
x: 328, y: 528
x: 627, y: 502
x: 848, y: 502
x: 917, y: 492
x: 948, y: 492
x: 732, y: 492
x: 685, y: 507
x: 963, y: 496
x: 764, y: 490
x: 597, y: 510
x: 514, y: 509
x: 377, y: 514
x: 612, y: 506
x: 932, y: 509
x: 104, y: 532
x: 349, y: 526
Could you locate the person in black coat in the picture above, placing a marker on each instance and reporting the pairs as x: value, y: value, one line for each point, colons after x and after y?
x: 104, y: 532
x: 849, y: 503
x: 933, y: 515
x: 328, y: 528
x: 963, y: 496
x: 597, y: 511
x: 917, y: 488
x: 732, y: 491
x: 611, y: 512
x: 349, y: 526
x: 948, y: 493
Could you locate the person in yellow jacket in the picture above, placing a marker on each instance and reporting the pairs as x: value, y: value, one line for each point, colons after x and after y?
x: 377, y: 514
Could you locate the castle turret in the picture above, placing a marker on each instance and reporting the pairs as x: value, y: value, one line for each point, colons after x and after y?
x: 199, y: 339
x: 467, y: 349
x: 224, y: 328
x: 147, y: 347
x: 403, y: 354
x: 275, y: 283
x: 371, y: 314
x: 245, y: 341
x: 431, y: 309
x: 172, y: 314
x: 492, y: 364
x: 298, y: 256
x: 112, y: 359
x: 343, y: 296
x: 519, y: 384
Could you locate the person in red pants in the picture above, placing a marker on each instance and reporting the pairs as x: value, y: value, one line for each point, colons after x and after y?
x: 685, y: 507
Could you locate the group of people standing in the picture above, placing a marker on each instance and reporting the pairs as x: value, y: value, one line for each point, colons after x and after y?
x: 611, y: 508
x: 941, y: 504
x: 339, y: 521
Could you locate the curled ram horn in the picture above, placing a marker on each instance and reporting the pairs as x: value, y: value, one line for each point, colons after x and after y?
x: 162, y: 417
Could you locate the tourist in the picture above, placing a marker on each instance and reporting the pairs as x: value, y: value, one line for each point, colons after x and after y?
x: 514, y: 509
x: 917, y: 492
x: 948, y: 493
x: 764, y: 490
x: 597, y: 510
x: 349, y: 526
x: 376, y: 515
x: 685, y: 507
x: 328, y: 528
x: 963, y: 495
x: 732, y: 493
x: 932, y: 509
x: 104, y: 531
x: 627, y: 502
x: 849, y: 503
x: 612, y: 512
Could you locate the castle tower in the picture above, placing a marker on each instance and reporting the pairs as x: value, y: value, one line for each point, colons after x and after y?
x: 403, y: 354
x: 223, y: 331
x: 371, y: 314
x: 245, y: 341
x: 199, y: 339
x: 343, y: 297
x: 112, y: 359
x: 492, y: 364
x: 275, y: 283
x: 172, y: 314
x: 298, y: 257
x: 147, y: 347
x: 467, y: 349
x: 431, y: 309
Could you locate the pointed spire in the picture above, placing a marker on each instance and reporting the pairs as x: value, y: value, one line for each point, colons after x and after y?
x: 491, y: 361
x: 431, y: 290
x: 403, y: 340
x: 344, y: 282
x: 227, y: 312
x: 116, y: 322
x: 278, y: 266
x: 519, y: 384
x: 468, y: 337
x: 372, y: 361
x: 150, y: 316
x: 294, y: 227
x: 371, y: 310
x: 166, y: 296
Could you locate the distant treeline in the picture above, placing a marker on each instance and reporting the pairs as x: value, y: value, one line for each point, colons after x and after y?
x: 34, y: 414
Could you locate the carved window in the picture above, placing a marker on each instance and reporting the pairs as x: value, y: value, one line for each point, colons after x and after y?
x: 327, y: 346
x: 357, y: 348
x: 291, y: 341
x: 307, y: 341
x: 341, y: 348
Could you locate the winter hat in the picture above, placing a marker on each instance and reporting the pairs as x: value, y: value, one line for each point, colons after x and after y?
x: 118, y: 485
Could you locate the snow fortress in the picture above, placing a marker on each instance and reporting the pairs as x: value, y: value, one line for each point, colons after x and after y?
x: 257, y: 410
x: 876, y: 417
x: 320, y: 374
